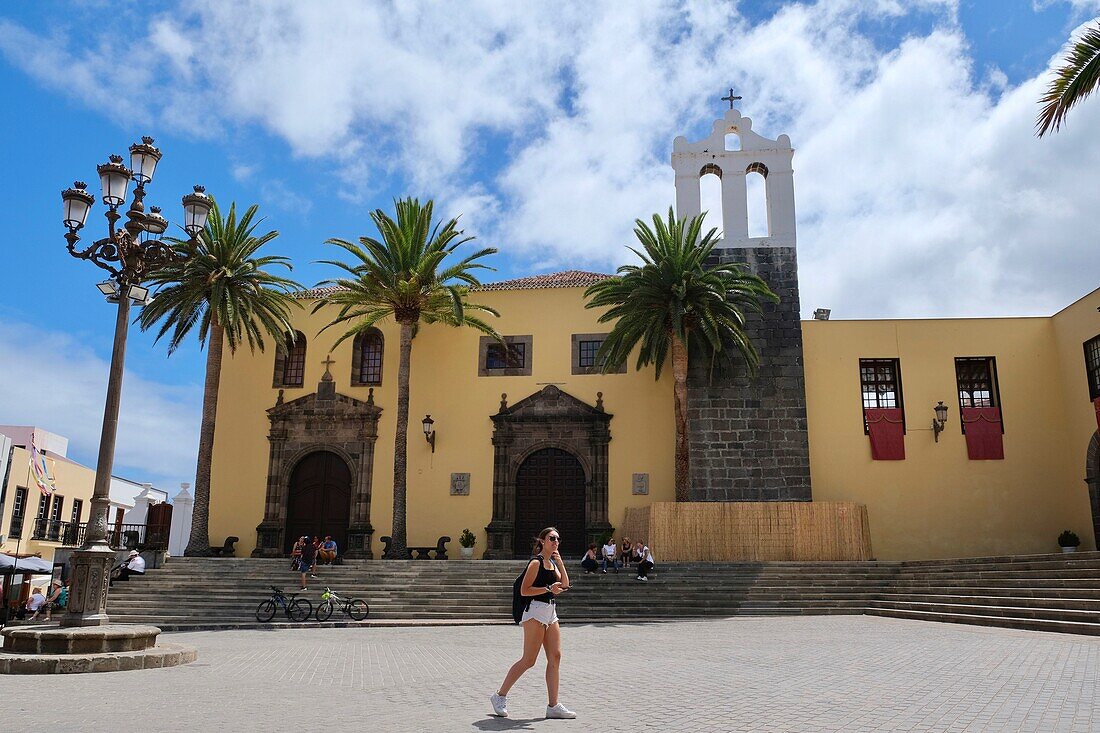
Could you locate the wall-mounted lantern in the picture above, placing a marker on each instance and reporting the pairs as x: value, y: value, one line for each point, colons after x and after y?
x: 940, y: 420
x: 429, y: 433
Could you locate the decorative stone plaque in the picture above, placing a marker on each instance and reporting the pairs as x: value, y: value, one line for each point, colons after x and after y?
x: 639, y: 484
x: 460, y: 484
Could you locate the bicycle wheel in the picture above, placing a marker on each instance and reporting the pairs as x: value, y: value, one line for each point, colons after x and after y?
x: 265, y: 611
x: 324, y: 610
x: 299, y: 609
x: 358, y: 609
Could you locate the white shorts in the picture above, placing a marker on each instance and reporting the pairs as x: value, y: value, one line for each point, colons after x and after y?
x: 543, y: 612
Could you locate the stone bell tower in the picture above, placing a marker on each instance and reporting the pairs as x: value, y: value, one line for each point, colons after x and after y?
x: 748, y: 433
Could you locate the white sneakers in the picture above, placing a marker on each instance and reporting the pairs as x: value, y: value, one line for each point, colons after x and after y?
x: 559, y: 711
x: 500, y: 709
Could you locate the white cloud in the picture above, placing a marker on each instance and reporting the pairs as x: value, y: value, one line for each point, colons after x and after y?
x: 55, y: 382
x: 921, y: 188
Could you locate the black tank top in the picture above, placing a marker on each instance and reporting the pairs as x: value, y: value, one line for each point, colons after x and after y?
x: 544, y: 578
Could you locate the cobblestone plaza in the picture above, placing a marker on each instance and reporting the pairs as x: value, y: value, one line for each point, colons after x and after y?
x: 804, y: 674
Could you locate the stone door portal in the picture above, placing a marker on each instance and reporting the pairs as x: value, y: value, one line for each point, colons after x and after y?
x: 319, y: 499
x: 550, y: 492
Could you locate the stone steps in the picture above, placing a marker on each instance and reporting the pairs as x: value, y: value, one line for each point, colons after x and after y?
x: 1054, y: 592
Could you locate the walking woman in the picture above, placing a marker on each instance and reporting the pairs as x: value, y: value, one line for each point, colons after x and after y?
x: 544, y: 579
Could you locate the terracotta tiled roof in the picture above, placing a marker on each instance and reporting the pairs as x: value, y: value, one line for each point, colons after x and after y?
x: 566, y: 279
x: 316, y: 292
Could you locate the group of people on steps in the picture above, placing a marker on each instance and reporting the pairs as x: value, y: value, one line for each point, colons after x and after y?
x: 637, y: 554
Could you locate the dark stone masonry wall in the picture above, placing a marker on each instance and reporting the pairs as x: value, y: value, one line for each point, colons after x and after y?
x: 748, y: 436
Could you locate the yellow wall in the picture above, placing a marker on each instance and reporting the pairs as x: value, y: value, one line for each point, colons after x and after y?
x: 1073, y: 326
x: 444, y: 383
x: 73, y: 482
x: 937, y: 502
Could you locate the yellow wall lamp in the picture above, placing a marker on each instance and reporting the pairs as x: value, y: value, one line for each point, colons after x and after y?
x: 940, y: 420
x: 429, y: 433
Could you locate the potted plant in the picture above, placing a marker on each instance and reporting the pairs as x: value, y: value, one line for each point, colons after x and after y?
x: 1068, y: 541
x: 467, y: 540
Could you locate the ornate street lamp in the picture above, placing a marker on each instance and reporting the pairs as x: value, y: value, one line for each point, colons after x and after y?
x: 130, y: 254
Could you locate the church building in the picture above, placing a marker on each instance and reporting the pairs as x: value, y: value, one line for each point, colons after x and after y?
x: 961, y: 437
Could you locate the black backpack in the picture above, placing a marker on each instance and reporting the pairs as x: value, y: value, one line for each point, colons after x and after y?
x: 520, y: 603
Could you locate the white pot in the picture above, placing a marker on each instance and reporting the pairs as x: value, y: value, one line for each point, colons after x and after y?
x: 1069, y: 549
x: 467, y: 553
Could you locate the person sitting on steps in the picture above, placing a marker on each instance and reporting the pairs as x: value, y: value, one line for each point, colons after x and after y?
x: 326, y: 555
x: 589, y: 562
x: 610, y: 553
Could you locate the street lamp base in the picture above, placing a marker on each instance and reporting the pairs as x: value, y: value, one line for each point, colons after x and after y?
x: 91, y: 568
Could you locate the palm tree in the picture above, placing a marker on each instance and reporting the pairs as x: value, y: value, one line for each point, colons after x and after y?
x: 220, y: 285
x: 1073, y: 82
x: 402, y: 276
x: 674, y: 302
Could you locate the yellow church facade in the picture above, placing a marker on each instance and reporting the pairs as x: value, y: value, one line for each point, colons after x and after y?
x: 530, y: 433
x: 936, y: 502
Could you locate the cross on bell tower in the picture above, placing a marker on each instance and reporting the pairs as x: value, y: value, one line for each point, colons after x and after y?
x: 730, y: 98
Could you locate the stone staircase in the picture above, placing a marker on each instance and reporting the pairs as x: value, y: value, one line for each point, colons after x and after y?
x: 190, y: 593
x: 1039, y: 592
x: 1044, y: 592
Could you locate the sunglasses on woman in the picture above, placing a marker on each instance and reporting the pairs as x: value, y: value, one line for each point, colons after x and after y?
x: 552, y: 538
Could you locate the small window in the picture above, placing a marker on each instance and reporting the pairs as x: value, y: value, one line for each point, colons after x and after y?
x: 509, y: 359
x: 586, y: 347
x: 976, y: 377
x: 43, y: 505
x: 18, y: 512
x: 290, y: 362
x: 78, y: 506
x: 588, y: 351
x: 880, y: 384
x: 1092, y: 366
x: 366, y: 359
x: 58, y: 505
x: 506, y: 356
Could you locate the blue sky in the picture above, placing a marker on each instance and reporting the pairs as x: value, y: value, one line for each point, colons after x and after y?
x: 921, y: 189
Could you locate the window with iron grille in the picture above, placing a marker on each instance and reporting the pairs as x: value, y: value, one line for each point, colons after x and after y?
x: 1092, y: 366
x: 368, y: 358
x: 78, y: 506
x: 58, y: 505
x: 18, y: 511
x: 880, y: 383
x: 506, y: 356
x: 976, y: 378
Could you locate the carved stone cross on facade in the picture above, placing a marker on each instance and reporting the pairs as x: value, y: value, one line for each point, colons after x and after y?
x: 328, y: 362
x: 731, y: 99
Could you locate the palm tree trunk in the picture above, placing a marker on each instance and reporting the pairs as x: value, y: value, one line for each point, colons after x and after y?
x: 399, y: 544
x: 680, y: 398
x: 199, y: 542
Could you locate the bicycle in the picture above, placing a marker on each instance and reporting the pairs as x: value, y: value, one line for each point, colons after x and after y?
x: 296, y: 609
x: 356, y: 608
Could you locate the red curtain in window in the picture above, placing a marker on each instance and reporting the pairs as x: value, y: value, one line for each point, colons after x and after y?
x: 1096, y: 404
x: 983, y: 433
x: 886, y: 429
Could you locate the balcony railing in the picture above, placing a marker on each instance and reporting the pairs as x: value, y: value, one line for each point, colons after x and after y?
x: 120, y: 536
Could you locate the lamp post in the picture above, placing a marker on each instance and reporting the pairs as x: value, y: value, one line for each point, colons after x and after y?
x: 130, y: 254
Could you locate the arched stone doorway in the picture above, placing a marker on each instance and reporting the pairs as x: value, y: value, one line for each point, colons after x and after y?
x: 542, y: 440
x: 550, y: 490
x: 330, y: 422
x: 318, y: 499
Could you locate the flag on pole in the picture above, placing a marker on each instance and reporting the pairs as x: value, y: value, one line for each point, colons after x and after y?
x: 41, y: 471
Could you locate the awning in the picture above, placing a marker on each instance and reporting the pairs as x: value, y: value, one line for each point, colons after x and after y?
x: 10, y: 565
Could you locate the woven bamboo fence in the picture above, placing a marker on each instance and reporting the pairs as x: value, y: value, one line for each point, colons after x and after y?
x: 751, y: 531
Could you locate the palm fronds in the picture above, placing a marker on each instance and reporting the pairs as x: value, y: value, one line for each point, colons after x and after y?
x: 1075, y: 80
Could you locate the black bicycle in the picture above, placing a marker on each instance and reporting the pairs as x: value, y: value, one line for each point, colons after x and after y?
x: 296, y: 609
x: 354, y: 607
